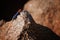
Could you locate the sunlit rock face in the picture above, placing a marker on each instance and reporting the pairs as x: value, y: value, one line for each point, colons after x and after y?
x: 36, y: 8
x: 45, y: 12
x: 11, y: 30
x: 25, y: 28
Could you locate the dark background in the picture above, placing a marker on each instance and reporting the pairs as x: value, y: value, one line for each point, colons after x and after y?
x: 10, y: 7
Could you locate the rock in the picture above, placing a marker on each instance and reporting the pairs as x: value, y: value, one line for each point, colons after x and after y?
x: 12, y: 29
x: 29, y: 27
x: 37, y: 32
x: 25, y: 28
x: 46, y: 13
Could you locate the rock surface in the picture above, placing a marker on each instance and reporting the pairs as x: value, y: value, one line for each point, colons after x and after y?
x: 45, y: 12
x: 12, y: 29
x: 25, y: 28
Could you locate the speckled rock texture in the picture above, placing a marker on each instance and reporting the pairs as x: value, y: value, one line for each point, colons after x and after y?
x: 25, y: 28
x: 45, y: 12
x: 42, y: 24
x: 12, y: 29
